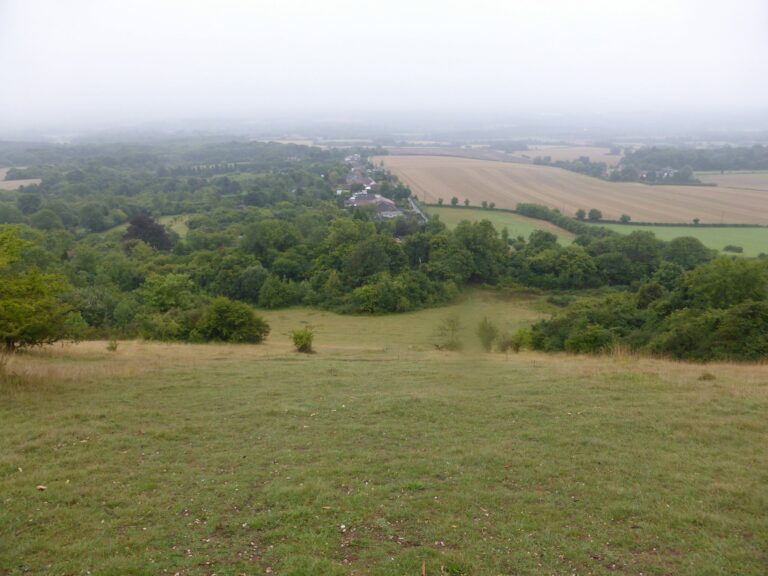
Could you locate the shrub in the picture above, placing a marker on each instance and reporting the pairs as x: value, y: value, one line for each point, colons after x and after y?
x: 591, y: 339
x: 487, y: 332
x: 516, y: 342
x: 447, y: 334
x: 560, y: 299
x: 734, y: 249
x: 302, y: 340
x: 226, y: 320
x: 112, y: 346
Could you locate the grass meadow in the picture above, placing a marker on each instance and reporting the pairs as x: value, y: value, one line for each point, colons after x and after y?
x: 516, y: 224
x: 753, y: 240
x: 379, y: 455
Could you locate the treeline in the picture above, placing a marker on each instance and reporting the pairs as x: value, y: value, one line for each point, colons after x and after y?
x: 278, y: 237
x: 717, y: 311
x: 658, y: 158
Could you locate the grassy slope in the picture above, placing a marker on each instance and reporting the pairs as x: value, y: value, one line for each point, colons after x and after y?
x: 516, y: 224
x: 243, y: 459
x: 753, y: 240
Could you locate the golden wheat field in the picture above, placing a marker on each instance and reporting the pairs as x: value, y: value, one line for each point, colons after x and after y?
x: 507, y: 184
x: 569, y: 153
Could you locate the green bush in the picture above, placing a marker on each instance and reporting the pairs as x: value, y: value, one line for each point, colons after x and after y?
x: 447, y: 334
x: 591, y: 339
x: 487, y: 332
x: 302, y: 340
x: 517, y: 341
x: 226, y: 320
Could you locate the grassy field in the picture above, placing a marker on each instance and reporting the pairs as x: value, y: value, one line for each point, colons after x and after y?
x: 516, y: 224
x: 753, y: 240
x: 569, y: 153
x: 507, y: 184
x: 379, y: 455
x: 15, y: 184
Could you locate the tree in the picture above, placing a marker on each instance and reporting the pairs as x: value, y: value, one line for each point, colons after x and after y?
x: 454, y: 201
x: 143, y: 227
x: 484, y: 204
x: 581, y: 214
x: 31, y: 313
x: 625, y: 218
x: 595, y: 215
x: 466, y: 201
x: 439, y: 201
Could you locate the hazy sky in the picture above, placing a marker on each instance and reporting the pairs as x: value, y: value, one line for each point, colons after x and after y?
x: 89, y: 61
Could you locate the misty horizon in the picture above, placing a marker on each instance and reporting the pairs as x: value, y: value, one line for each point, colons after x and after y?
x: 87, y: 64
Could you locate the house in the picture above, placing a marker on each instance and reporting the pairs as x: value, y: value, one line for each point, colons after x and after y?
x: 385, y: 208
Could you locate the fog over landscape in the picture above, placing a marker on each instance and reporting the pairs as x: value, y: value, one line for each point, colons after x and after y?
x: 85, y: 64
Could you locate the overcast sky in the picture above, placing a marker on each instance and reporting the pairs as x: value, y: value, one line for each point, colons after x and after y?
x: 90, y: 61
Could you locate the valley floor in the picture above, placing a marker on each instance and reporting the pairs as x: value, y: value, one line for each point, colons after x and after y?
x: 379, y: 454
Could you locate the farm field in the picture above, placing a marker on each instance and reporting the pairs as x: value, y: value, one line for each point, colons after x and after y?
x: 379, y: 455
x: 516, y: 225
x: 753, y: 240
x: 15, y: 184
x: 746, y: 180
x: 507, y: 184
x: 569, y: 153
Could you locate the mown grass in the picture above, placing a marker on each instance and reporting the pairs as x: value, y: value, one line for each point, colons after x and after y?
x: 753, y: 240
x: 516, y: 225
x: 378, y: 454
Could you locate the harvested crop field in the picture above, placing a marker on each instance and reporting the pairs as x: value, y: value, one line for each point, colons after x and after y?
x: 569, y: 153
x: 507, y: 184
x: 15, y: 184
x: 745, y: 180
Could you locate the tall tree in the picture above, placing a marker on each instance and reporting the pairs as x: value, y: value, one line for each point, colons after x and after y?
x: 31, y: 313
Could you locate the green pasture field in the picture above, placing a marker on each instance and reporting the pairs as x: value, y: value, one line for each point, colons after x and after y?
x: 753, y: 240
x: 516, y: 224
x: 379, y: 455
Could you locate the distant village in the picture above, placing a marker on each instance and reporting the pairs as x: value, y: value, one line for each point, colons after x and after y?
x: 362, y: 190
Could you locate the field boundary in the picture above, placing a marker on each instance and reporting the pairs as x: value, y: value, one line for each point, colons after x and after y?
x: 599, y: 222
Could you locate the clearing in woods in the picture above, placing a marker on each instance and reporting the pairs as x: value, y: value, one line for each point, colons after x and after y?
x: 508, y: 184
x: 379, y: 454
x: 15, y: 184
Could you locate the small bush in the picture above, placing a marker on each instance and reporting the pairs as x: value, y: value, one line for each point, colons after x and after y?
x: 487, y: 332
x: 734, y: 249
x: 447, y: 334
x: 302, y: 340
x: 112, y: 346
x: 560, y: 299
x: 515, y: 342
